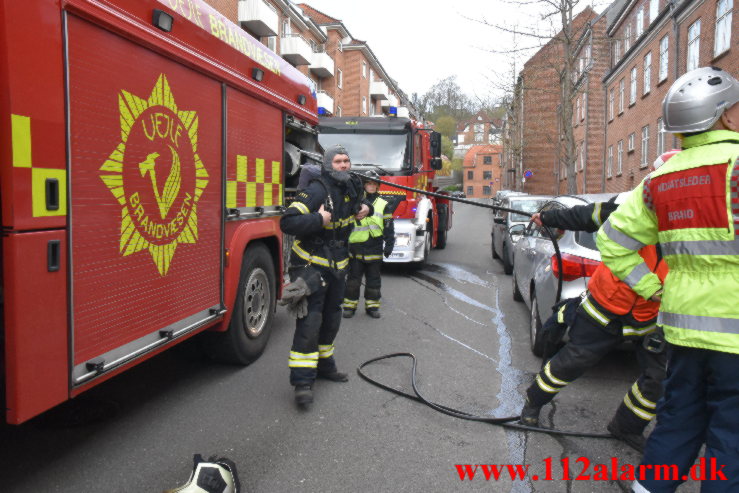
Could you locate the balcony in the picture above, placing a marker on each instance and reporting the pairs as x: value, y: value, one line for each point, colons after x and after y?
x: 258, y: 17
x: 322, y: 65
x: 325, y: 101
x: 390, y: 101
x: 379, y: 90
x: 296, y: 50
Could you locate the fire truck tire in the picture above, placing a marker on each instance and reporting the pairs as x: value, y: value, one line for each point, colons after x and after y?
x: 442, y: 227
x: 254, y: 308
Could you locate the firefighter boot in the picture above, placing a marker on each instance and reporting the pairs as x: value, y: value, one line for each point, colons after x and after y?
x: 633, y: 440
x: 373, y: 312
x: 348, y: 313
x: 530, y: 415
x: 303, y: 395
x: 334, y: 376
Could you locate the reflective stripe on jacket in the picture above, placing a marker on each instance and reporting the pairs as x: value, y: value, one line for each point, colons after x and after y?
x: 370, y: 226
x: 691, y: 207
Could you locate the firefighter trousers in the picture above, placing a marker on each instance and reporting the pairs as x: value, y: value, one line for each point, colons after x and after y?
x: 313, y: 343
x: 700, y: 405
x: 371, y: 271
x: 589, y: 343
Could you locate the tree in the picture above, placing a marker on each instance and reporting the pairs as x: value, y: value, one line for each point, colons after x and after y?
x: 446, y: 126
x: 447, y: 146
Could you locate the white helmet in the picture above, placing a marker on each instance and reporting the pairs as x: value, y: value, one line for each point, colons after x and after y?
x: 698, y: 99
x: 216, y: 475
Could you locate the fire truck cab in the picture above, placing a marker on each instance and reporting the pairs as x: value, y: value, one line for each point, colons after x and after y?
x: 145, y: 147
x: 406, y: 153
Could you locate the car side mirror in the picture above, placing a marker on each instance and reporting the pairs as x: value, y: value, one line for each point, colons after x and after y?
x: 517, y: 230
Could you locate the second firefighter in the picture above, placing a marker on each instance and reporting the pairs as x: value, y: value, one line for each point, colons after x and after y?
x: 373, y: 237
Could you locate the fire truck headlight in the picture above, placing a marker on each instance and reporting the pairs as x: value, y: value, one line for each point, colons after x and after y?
x: 402, y: 239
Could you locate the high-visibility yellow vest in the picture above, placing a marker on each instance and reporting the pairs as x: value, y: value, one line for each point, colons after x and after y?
x: 370, y: 226
x: 690, y: 206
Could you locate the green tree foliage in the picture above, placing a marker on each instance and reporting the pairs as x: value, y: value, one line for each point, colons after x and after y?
x: 446, y: 126
x: 447, y: 146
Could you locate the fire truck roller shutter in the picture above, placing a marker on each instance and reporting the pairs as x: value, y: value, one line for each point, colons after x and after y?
x: 253, y: 311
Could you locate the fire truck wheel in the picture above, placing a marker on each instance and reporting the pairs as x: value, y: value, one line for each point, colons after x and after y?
x: 254, y: 308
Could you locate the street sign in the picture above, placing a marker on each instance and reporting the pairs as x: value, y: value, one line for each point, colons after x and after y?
x: 528, y: 173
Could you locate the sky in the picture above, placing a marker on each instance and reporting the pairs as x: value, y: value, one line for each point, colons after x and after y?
x: 421, y: 42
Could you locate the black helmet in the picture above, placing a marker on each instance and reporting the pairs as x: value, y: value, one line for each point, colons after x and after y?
x: 371, y: 175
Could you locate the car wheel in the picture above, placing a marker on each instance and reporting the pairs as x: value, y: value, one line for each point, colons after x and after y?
x: 507, y: 265
x: 517, y: 296
x: 254, y: 307
x: 535, y: 336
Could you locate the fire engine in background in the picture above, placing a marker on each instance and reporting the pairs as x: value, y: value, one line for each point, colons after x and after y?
x: 407, y: 154
x: 141, y: 181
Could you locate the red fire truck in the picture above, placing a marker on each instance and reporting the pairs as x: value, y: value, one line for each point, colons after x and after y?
x: 142, y: 174
x: 407, y: 154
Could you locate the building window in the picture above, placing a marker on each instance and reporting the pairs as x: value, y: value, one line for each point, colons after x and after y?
x: 372, y: 109
x: 584, y: 106
x: 611, y: 99
x: 632, y: 91
x: 272, y: 43
x: 470, y: 191
x: 470, y: 175
x: 609, y: 163
x: 647, y: 72
x: 338, y: 111
x: 478, y: 137
x: 339, y: 78
x: 577, y: 111
x: 364, y: 69
x: 644, y: 146
x: 364, y: 105
x: 664, y: 47
x: 653, y: 10
x: 487, y: 175
x: 372, y: 75
x: 487, y: 160
x: 632, y: 138
x: 627, y: 38
x: 723, y: 26
x: 479, y: 127
x: 617, y: 51
x: 660, y: 136
x: 620, y: 157
x: 694, y: 40
x: 486, y: 190
x: 582, y: 157
x: 621, y: 90
x: 639, y: 22
x: 286, y: 27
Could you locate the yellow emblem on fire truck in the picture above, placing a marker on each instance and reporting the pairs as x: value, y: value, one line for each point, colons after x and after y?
x: 156, y: 175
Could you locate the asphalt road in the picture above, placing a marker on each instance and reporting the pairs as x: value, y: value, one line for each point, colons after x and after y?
x: 139, y: 431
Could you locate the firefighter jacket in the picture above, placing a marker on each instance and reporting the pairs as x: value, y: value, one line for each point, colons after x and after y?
x: 613, y: 296
x: 316, y: 244
x: 369, y: 234
x: 691, y: 207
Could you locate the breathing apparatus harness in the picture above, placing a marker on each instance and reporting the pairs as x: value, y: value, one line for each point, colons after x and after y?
x: 507, y: 422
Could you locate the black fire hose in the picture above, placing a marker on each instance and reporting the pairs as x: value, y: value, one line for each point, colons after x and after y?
x: 507, y: 422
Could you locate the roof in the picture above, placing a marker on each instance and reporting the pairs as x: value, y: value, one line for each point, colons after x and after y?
x: 474, y: 151
x: 317, y: 16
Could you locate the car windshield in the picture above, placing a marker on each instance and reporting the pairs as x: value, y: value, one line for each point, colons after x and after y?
x: 387, y: 151
x: 529, y: 206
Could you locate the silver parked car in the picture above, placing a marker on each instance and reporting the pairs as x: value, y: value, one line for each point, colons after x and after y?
x: 536, y: 272
x: 500, y: 239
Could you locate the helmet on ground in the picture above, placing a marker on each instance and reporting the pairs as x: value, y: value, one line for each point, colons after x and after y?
x: 662, y: 158
x: 697, y: 100
x: 216, y: 475
x: 371, y: 175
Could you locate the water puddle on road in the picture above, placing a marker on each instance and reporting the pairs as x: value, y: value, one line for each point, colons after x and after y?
x: 509, y: 398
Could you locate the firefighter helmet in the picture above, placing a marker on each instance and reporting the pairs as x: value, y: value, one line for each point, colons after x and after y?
x: 371, y: 175
x: 698, y: 99
x: 216, y: 475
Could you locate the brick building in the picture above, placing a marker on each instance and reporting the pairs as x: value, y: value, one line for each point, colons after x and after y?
x: 348, y: 78
x: 481, y: 175
x: 653, y: 43
x: 478, y: 130
x: 532, y: 131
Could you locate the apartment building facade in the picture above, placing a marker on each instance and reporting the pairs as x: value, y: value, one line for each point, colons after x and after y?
x: 348, y: 78
x: 481, y: 171
x: 653, y: 43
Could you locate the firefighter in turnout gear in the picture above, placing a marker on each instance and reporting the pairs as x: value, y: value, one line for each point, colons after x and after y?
x: 609, y: 314
x: 691, y: 208
x: 366, y: 251
x: 321, y: 218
